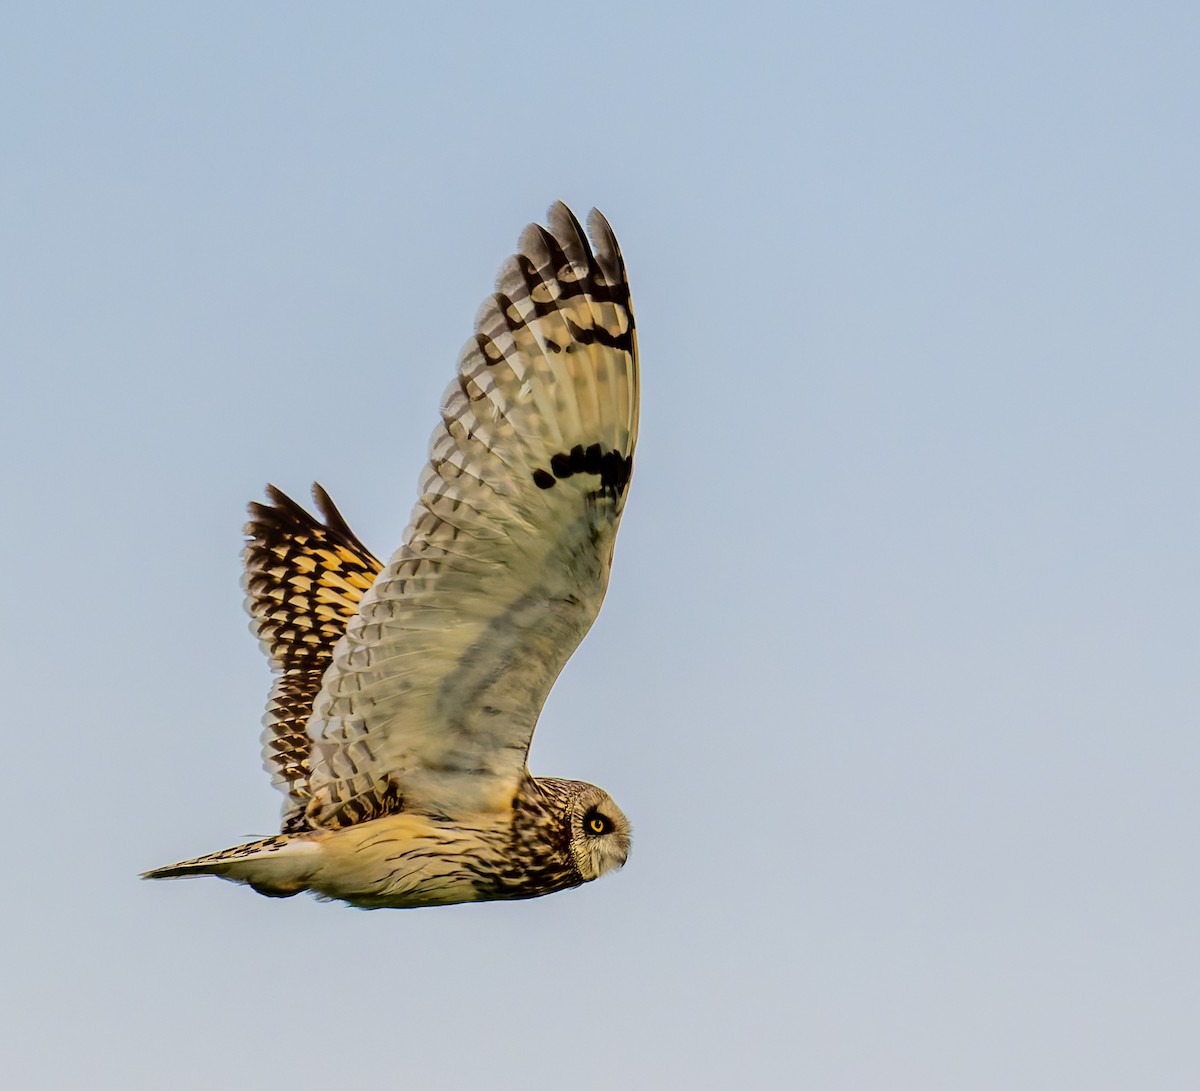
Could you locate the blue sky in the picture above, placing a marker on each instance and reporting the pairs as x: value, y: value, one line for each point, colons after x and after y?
x: 896, y: 678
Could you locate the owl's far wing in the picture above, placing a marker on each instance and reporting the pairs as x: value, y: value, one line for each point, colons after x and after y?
x: 304, y: 580
x: 434, y: 692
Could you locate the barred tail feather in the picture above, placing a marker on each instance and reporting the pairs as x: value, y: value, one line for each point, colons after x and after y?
x: 277, y: 866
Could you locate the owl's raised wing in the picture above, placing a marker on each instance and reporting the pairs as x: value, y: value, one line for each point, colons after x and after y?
x: 304, y: 581
x: 435, y: 689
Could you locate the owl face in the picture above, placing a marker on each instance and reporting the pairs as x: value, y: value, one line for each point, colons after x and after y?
x: 600, y: 833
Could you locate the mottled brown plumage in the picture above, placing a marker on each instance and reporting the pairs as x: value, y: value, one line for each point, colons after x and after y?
x: 304, y: 580
x: 408, y: 693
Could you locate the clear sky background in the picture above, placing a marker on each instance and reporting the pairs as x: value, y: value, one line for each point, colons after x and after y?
x: 897, y: 677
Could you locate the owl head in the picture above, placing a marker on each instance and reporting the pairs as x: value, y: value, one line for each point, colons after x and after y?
x: 600, y: 833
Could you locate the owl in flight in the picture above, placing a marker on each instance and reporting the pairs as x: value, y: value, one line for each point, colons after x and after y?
x: 407, y: 693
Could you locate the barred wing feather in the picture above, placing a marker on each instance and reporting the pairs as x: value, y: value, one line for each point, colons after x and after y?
x: 434, y: 691
x: 304, y: 581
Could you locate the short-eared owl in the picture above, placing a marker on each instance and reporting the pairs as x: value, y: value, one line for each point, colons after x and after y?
x: 407, y: 695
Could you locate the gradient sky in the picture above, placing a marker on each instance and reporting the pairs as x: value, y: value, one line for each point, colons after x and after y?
x: 897, y: 678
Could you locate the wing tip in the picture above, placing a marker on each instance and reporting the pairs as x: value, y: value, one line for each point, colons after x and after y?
x: 569, y: 234
x: 602, y: 249
x: 608, y: 252
x: 283, y: 515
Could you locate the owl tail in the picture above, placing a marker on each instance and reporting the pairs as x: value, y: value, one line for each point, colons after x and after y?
x: 277, y: 866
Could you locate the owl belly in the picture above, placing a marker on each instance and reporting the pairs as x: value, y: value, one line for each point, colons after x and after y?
x: 408, y: 860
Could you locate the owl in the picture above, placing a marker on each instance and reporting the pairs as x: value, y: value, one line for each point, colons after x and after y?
x: 407, y: 694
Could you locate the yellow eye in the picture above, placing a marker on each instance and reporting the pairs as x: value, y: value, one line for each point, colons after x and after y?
x: 598, y: 825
